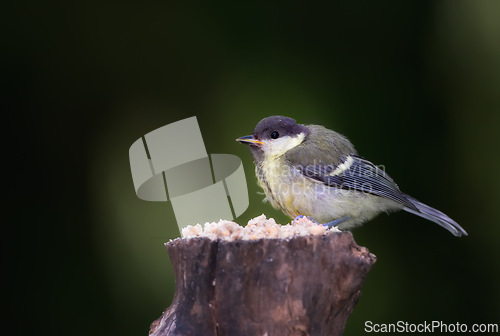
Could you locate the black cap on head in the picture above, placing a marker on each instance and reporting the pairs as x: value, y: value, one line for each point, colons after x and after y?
x: 276, y: 127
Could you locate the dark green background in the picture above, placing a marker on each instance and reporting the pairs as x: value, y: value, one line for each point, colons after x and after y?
x: 415, y: 85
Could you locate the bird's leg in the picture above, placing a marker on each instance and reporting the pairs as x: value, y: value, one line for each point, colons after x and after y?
x: 336, y: 222
x: 297, y: 218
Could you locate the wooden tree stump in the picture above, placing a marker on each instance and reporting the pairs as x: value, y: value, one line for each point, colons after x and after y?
x: 305, y: 285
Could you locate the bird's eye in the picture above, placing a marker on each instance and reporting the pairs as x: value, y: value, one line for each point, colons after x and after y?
x: 275, y: 135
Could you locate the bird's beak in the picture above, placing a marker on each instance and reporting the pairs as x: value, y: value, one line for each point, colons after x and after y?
x: 248, y: 139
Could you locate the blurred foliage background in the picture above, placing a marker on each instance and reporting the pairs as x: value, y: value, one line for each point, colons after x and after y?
x: 415, y: 85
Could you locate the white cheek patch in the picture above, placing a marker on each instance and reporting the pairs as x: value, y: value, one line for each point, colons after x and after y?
x: 277, y: 147
x: 343, y: 166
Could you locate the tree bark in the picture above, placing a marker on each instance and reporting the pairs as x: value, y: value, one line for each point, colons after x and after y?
x: 306, y: 285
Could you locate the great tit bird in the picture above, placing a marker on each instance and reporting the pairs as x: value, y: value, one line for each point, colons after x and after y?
x: 309, y: 170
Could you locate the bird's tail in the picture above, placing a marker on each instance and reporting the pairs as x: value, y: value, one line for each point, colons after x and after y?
x: 435, y: 216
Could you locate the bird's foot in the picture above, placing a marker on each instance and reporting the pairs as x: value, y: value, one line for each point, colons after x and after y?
x: 336, y: 222
x: 297, y: 218
x: 302, y: 216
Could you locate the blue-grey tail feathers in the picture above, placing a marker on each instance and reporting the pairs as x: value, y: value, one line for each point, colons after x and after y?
x: 435, y: 216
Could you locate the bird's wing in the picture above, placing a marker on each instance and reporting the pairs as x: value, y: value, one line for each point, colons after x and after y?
x: 354, y: 173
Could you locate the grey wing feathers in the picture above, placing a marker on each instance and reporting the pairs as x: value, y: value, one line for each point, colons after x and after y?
x: 363, y: 176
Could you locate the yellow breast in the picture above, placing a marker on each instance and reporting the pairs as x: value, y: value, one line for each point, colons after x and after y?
x: 279, y: 182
